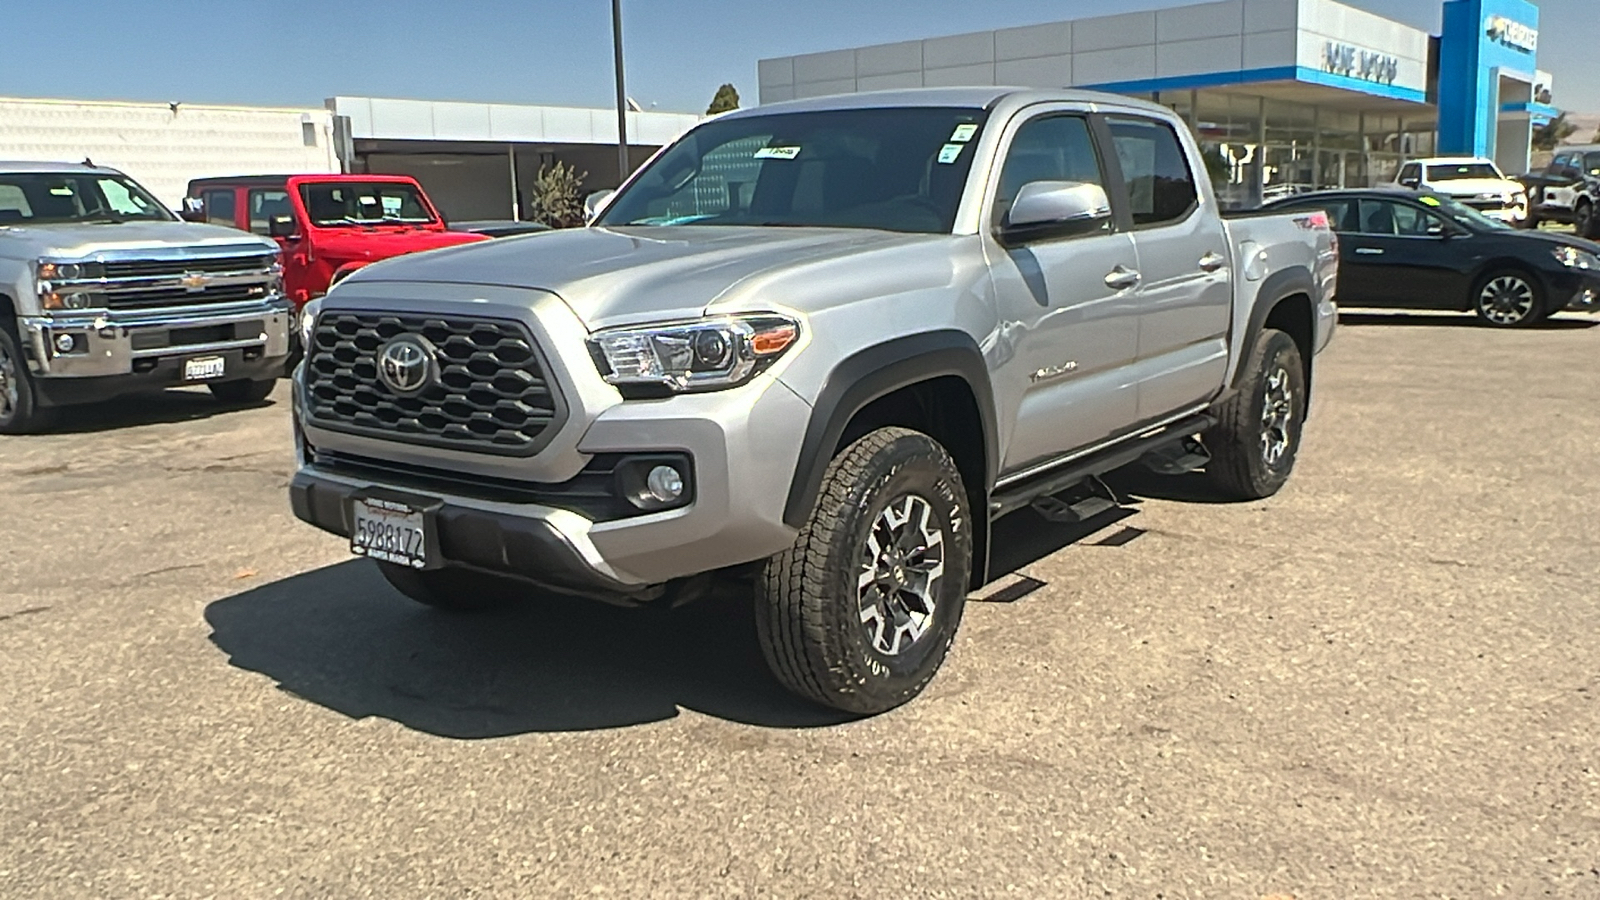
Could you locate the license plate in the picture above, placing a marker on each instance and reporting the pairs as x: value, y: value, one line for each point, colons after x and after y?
x: 204, y: 368
x: 390, y: 531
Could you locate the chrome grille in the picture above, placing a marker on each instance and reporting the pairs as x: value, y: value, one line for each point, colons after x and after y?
x: 492, y: 394
x: 171, y: 268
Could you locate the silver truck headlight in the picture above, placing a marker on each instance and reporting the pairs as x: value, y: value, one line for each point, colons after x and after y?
x: 1573, y: 258
x: 308, y: 322
x: 69, y: 286
x: 707, y: 355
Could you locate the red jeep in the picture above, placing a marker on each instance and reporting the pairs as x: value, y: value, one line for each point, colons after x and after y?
x: 327, y: 225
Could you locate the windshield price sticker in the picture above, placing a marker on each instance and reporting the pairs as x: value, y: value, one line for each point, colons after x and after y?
x: 777, y: 153
x: 963, y: 133
x: 949, y: 152
x: 1428, y: 201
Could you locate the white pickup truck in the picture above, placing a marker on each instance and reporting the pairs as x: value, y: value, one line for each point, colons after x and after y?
x: 104, y: 292
x: 816, y: 349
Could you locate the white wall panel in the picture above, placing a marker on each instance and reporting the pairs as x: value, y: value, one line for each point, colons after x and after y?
x: 1200, y: 56
x: 1271, y: 15
x: 958, y: 50
x: 1111, y: 66
x: 1271, y: 49
x: 835, y: 65
x: 889, y: 59
x: 1043, y: 71
x: 895, y: 81
x: 1110, y: 32
x: 959, y: 76
x: 776, y: 71
x: 1205, y: 20
x: 1032, y: 41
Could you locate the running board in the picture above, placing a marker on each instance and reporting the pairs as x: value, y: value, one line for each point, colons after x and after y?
x: 1181, y: 458
x: 1068, y: 474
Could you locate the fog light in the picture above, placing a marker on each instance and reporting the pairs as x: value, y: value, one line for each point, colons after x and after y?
x: 66, y: 343
x: 664, y: 483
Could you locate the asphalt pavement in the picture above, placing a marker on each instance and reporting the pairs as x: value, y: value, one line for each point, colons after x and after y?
x: 1384, y: 682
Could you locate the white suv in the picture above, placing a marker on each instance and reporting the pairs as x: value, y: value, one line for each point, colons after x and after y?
x: 1472, y: 180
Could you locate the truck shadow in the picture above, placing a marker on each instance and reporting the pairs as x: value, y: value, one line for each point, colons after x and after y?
x: 340, y: 637
x: 1462, y: 320
x: 152, y: 408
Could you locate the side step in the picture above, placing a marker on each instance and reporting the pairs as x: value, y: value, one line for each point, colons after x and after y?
x: 1055, y: 509
x: 1181, y: 458
x: 1072, y: 472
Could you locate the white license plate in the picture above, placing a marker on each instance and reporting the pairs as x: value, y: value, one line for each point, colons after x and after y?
x: 204, y: 368
x: 392, y: 532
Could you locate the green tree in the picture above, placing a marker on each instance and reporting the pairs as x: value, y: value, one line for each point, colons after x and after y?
x: 726, y: 100
x: 554, y: 196
x: 1550, y: 135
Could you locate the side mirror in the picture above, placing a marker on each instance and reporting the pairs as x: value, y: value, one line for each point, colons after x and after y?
x: 194, y: 210
x: 593, y: 203
x: 1411, y: 182
x: 281, y: 227
x: 1056, y: 209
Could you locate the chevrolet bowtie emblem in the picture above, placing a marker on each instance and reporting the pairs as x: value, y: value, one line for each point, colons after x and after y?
x: 195, y: 281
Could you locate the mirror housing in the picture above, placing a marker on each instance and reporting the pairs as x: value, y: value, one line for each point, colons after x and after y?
x: 1411, y: 182
x: 1056, y: 209
x: 281, y: 227
x: 194, y: 210
x: 593, y: 203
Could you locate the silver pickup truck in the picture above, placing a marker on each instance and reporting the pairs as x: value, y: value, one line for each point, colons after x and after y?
x: 103, y: 291
x: 816, y: 349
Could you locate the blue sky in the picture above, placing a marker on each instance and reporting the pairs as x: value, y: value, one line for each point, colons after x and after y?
x: 299, y: 52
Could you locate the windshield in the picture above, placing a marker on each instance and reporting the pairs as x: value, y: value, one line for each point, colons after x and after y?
x: 900, y: 169
x: 42, y: 198
x: 337, y: 203
x: 1462, y: 213
x: 1458, y: 171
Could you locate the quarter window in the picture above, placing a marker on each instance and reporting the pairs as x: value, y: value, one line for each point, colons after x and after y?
x: 1050, y: 148
x: 1161, y: 187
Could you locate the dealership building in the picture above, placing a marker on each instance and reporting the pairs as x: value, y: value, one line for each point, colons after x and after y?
x: 1284, y: 95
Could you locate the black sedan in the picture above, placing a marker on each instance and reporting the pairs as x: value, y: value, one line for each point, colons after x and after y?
x: 1417, y: 250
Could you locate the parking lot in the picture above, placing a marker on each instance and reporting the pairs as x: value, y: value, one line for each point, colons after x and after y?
x: 1381, y: 683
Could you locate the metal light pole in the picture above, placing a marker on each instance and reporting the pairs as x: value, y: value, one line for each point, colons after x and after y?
x: 622, y: 94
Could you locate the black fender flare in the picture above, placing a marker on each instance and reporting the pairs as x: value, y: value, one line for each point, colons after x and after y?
x: 878, y: 371
x: 1278, y: 286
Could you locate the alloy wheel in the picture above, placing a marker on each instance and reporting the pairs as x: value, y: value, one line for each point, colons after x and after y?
x: 1277, y: 417
x: 1506, y: 300
x: 902, y: 565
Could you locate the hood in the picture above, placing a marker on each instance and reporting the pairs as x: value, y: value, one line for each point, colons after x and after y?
x: 1472, y: 187
x: 1553, y: 239
x: 72, y: 240
x: 628, y: 275
x: 359, y: 245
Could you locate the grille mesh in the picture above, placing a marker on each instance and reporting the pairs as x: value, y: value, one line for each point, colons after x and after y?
x: 492, y: 394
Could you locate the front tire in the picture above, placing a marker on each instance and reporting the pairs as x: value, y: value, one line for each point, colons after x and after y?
x: 20, y: 412
x: 859, y: 614
x: 1509, y: 298
x: 243, y: 391
x: 1584, y: 221
x: 1258, y: 430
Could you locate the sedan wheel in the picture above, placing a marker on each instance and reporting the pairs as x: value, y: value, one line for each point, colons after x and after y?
x: 1508, y: 300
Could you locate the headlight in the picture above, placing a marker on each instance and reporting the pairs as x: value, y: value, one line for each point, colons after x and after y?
x: 308, y: 322
x: 69, y: 286
x: 693, y: 356
x: 275, y: 279
x: 1573, y: 258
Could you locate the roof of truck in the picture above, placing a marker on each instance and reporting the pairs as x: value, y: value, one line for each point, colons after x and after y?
x: 975, y: 97
x: 280, y: 180
x: 19, y: 166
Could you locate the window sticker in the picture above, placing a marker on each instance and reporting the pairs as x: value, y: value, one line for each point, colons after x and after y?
x: 777, y: 153
x: 949, y: 152
x: 1428, y: 201
x: 963, y: 133
x: 61, y: 191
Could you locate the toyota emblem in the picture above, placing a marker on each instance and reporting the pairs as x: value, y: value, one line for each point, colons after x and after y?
x: 405, y: 364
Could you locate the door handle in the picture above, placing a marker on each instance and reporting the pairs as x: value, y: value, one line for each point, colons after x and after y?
x: 1369, y: 251
x: 1212, y: 261
x: 1122, y: 278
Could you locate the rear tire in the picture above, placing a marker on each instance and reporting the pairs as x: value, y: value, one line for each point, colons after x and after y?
x: 859, y: 614
x: 243, y: 391
x: 1258, y: 430
x: 452, y: 590
x: 20, y: 412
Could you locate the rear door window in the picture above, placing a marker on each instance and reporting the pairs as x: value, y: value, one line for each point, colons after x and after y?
x: 1161, y: 187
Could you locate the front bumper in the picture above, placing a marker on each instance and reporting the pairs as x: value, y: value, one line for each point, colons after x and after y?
x: 116, y: 343
x: 743, y: 445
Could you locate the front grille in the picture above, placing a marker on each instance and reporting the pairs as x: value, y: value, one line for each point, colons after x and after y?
x: 158, y: 268
x: 492, y: 393
x: 161, y: 297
